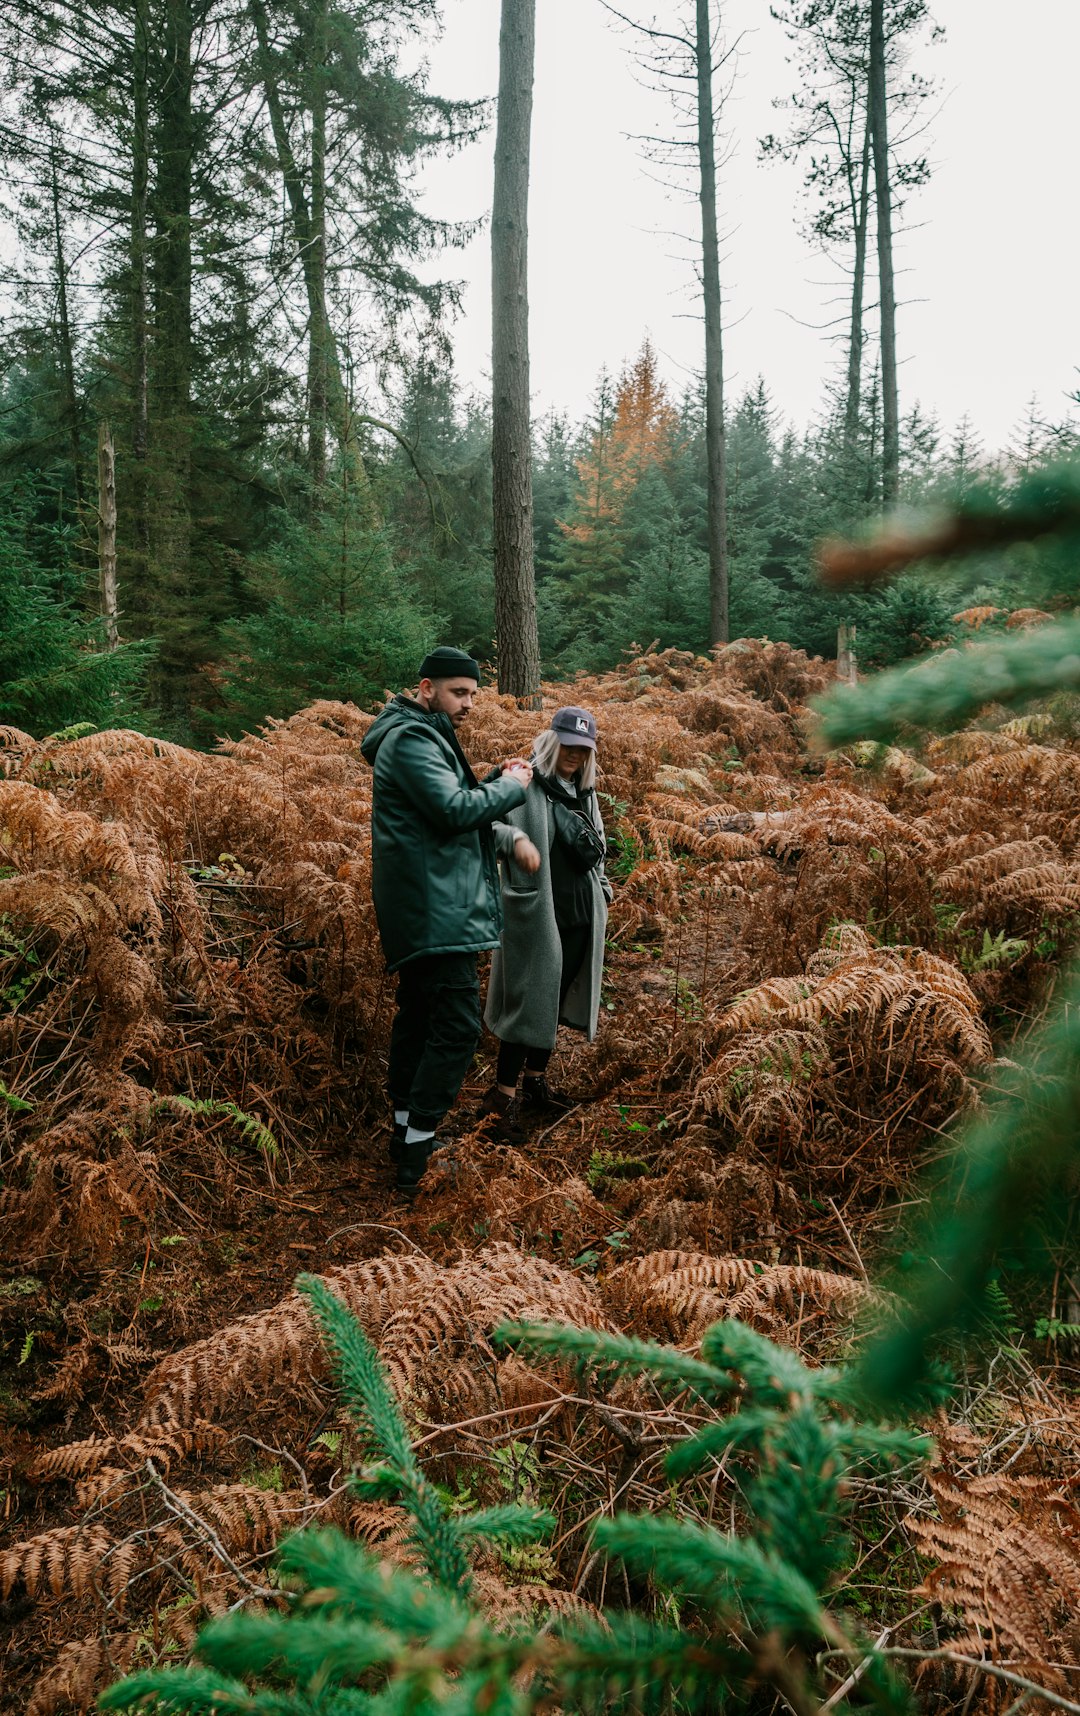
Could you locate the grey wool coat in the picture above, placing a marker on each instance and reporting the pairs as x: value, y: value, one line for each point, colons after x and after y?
x: 526, y: 967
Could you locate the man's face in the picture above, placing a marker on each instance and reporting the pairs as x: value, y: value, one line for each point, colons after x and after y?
x: 453, y: 697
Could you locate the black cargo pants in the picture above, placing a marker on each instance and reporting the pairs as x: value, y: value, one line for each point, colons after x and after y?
x: 434, y: 1034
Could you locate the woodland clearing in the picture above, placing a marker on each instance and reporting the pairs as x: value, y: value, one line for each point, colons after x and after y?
x: 813, y: 963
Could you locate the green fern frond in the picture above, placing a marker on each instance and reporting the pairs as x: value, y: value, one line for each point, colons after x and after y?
x: 249, y: 1125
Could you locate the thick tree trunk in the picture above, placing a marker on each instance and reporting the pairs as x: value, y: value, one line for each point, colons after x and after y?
x: 714, y: 338
x: 861, y: 212
x: 107, y: 535
x: 511, y: 443
x: 890, y: 451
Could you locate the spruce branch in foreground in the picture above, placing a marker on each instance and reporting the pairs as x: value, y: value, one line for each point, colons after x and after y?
x: 1043, y: 503
x: 944, y: 691
x: 356, y: 1634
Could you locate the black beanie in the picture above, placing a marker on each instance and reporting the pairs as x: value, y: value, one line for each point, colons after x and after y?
x: 448, y: 663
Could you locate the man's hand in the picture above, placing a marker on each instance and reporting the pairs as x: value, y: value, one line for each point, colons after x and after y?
x: 526, y: 855
x: 519, y: 769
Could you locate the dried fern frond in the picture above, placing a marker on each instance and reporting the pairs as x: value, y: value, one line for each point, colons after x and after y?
x: 670, y: 835
x: 769, y: 1000
x: 1029, y: 766
x: 82, y: 1669
x: 437, y: 1348
x: 276, y: 1352
x: 1008, y: 1561
x: 793, y: 1287
x: 675, y: 1293
x: 163, y: 1445
x: 65, y: 1559
x: 764, y: 1083
x: 970, y: 874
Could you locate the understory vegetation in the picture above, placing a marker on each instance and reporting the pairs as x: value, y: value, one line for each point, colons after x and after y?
x: 818, y: 963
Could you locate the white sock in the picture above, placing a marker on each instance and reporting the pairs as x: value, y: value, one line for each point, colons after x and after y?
x: 412, y: 1136
x: 401, y: 1117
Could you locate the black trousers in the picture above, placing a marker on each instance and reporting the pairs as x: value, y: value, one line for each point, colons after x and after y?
x: 576, y: 941
x: 434, y: 1034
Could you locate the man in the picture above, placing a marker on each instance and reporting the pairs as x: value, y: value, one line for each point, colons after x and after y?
x: 436, y: 889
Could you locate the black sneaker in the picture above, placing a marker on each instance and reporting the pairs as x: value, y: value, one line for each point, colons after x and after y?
x: 537, y: 1094
x: 396, y: 1147
x: 500, y: 1117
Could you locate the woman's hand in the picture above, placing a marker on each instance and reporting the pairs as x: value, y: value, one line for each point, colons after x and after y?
x: 526, y: 855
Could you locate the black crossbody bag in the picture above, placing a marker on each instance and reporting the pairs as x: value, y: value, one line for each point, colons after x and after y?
x: 582, y: 843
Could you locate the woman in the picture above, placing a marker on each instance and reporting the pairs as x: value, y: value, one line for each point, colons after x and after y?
x: 548, y: 966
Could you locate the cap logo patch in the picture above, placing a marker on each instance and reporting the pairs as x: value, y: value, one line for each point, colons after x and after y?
x: 581, y: 725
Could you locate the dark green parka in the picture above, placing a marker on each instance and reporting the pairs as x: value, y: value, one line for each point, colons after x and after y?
x: 434, y: 869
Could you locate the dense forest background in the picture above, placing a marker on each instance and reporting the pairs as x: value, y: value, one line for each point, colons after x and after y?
x: 220, y: 277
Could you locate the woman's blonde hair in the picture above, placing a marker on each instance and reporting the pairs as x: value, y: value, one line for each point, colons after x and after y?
x: 545, y: 751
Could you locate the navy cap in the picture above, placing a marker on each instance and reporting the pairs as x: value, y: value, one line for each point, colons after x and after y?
x: 575, y: 726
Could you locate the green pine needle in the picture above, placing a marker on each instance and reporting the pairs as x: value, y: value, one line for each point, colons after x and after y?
x: 298, y: 1646
x: 195, y: 1691
x: 773, y: 1372
x: 596, y: 1351
x: 943, y: 691
x: 727, y: 1573
x: 508, y: 1523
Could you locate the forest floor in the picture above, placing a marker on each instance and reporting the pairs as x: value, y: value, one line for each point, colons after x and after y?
x: 813, y: 962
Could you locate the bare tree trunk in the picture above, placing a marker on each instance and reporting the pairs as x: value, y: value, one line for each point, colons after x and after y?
x: 714, y: 338
x: 72, y: 411
x: 107, y: 534
x: 847, y: 667
x: 338, y: 405
x: 317, y: 329
x: 890, y: 451
x: 858, y: 287
x: 172, y: 429
x: 511, y: 443
x: 140, y: 181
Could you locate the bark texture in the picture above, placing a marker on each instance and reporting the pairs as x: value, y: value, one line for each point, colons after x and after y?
x: 879, y: 125
x: 860, y: 211
x: 107, y: 535
x: 511, y: 444
x: 714, y: 338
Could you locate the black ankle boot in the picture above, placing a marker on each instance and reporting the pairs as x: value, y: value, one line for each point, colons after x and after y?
x: 537, y: 1094
x: 500, y: 1117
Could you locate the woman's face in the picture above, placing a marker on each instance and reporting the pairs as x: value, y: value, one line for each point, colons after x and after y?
x: 570, y: 759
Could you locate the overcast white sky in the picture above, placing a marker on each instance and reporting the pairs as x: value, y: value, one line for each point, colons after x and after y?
x: 991, y: 260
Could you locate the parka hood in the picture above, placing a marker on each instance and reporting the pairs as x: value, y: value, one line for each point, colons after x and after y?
x: 401, y: 710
